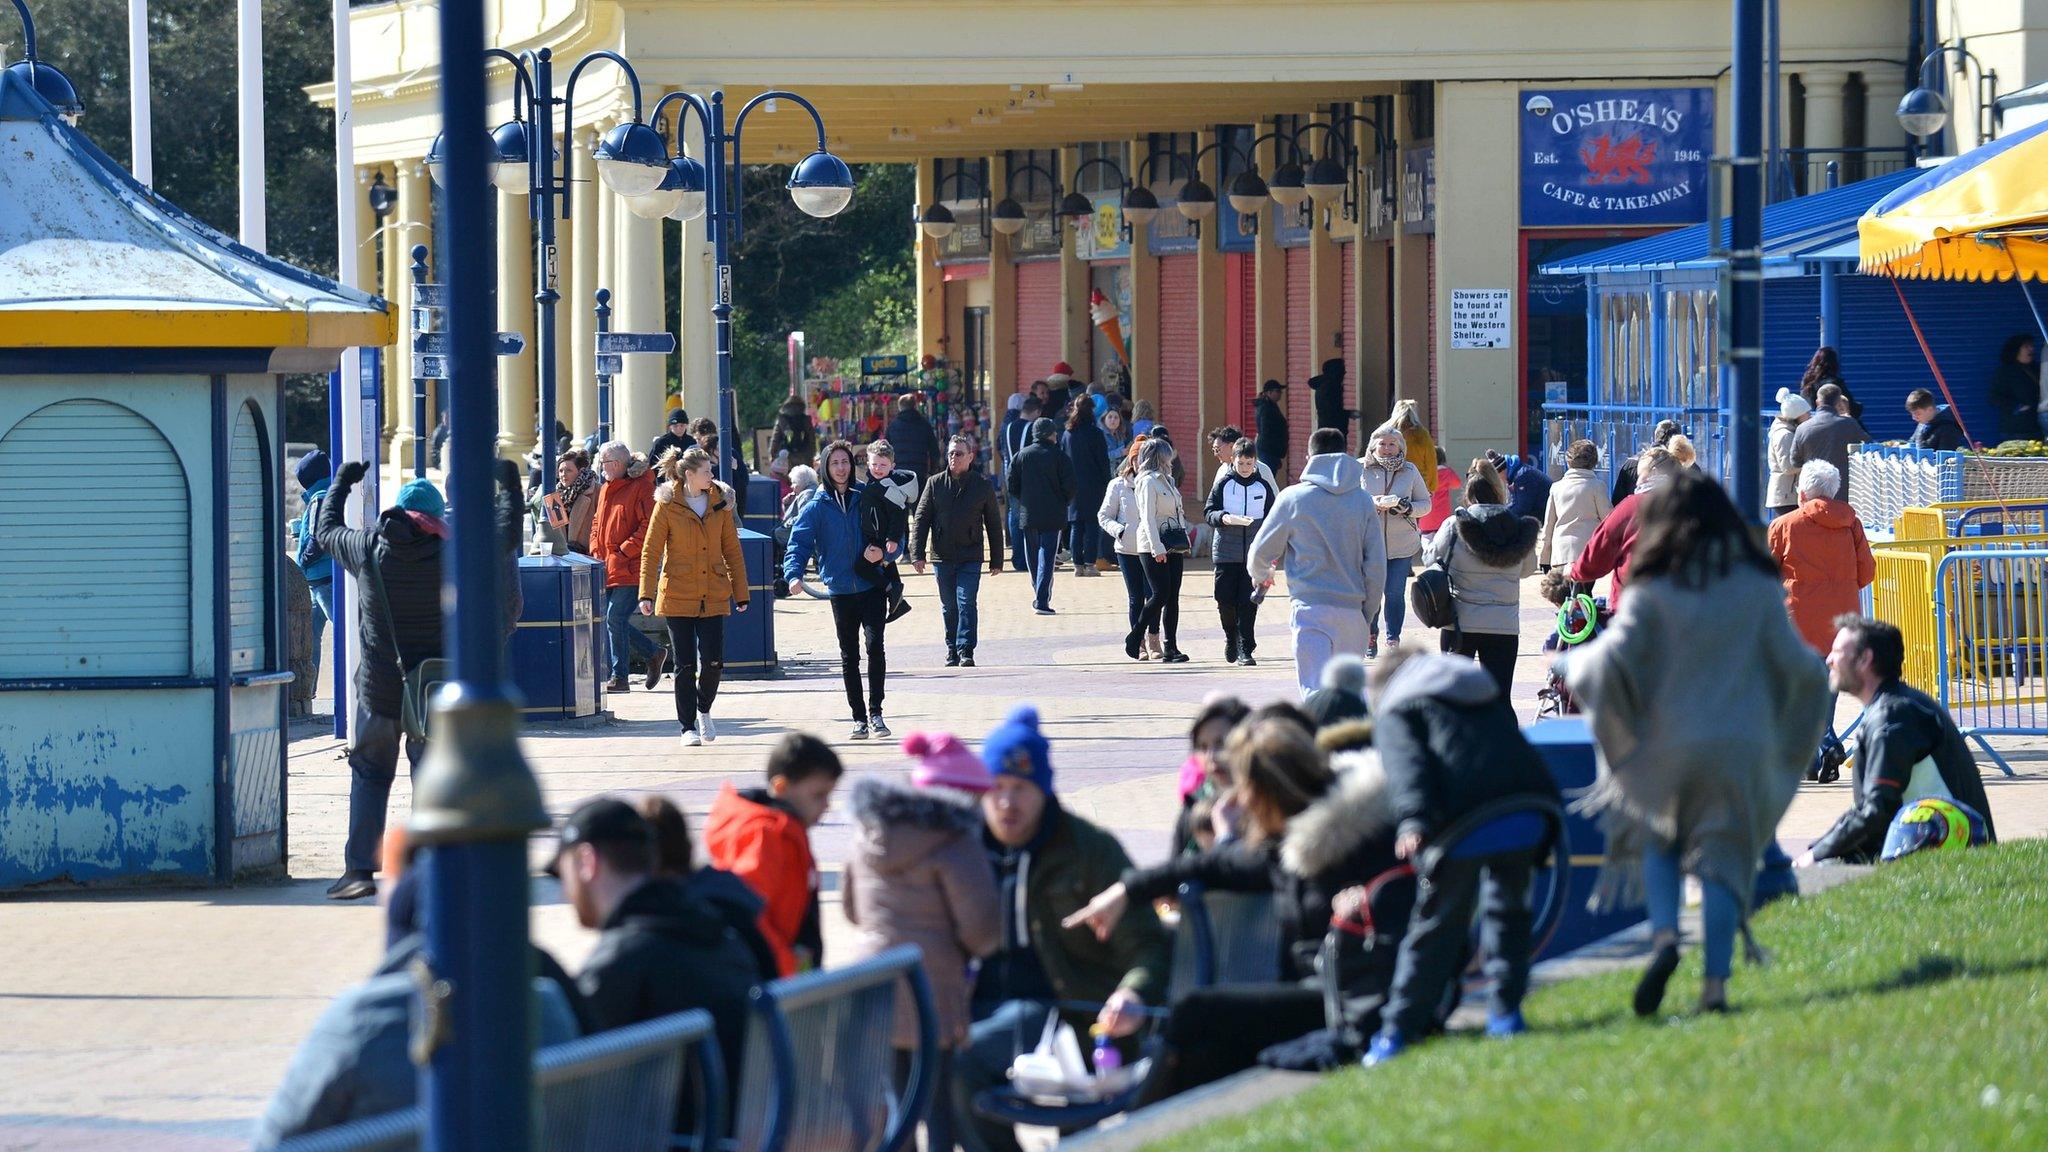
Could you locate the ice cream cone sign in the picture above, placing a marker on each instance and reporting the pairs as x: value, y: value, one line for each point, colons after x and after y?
x: 1104, y: 314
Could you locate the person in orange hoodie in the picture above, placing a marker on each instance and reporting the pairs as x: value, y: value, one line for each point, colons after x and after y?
x: 1822, y: 551
x: 762, y: 835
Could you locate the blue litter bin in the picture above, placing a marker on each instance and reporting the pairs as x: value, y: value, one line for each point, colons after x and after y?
x: 558, y: 651
x: 764, y: 505
x: 1567, y: 749
x: 750, y: 635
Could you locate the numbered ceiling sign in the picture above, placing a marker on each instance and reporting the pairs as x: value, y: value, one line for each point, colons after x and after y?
x: 1615, y: 157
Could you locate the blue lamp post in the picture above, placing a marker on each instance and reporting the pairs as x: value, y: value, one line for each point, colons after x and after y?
x: 47, y: 82
x: 520, y: 157
x: 820, y: 185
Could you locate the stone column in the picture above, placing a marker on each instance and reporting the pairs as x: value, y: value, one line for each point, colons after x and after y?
x: 1002, y: 307
x: 367, y: 240
x: 1212, y: 370
x: 931, y: 281
x: 565, y: 311
x: 580, y: 299
x: 1325, y: 278
x: 1077, y: 333
x: 415, y: 226
x: 608, y: 210
x: 390, y: 250
x: 696, y: 329
x: 1270, y: 275
x: 518, y: 376
x: 640, y: 401
x: 1883, y: 88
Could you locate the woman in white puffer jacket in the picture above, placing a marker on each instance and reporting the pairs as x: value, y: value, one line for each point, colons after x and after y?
x: 1118, y: 517
x: 1159, y: 510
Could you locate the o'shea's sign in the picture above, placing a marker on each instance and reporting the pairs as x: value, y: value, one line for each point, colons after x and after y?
x: 1615, y: 157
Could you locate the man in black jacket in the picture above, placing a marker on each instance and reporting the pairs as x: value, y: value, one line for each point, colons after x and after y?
x: 1016, y: 438
x: 397, y: 565
x: 1935, y: 428
x: 1331, y: 411
x: 1042, y: 479
x: 1906, y: 745
x: 678, y: 437
x: 1271, y: 428
x: 1450, y: 746
x: 911, y: 435
x: 955, y: 512
x: 661, y: 949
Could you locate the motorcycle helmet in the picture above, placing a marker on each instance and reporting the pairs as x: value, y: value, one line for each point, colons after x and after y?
x: 1933, y: 824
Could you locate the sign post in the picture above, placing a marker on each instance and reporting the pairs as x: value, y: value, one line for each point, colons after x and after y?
x: 431, y: 350
x: 614, y: 347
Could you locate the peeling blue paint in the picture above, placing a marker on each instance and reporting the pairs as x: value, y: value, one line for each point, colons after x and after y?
x: 104, y: 786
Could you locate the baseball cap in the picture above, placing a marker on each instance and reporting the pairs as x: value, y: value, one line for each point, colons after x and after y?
x: 600, y: 821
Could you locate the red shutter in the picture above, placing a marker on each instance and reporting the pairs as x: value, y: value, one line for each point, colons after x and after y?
x: 1180, y: 338
x: 1241, y: 335
x: 1301, y: 411
x: 1039, y: 313
x: 1429, y: 255
x: 1347, y: 320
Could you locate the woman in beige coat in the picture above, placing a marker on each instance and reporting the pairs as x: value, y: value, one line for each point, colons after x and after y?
x: 918, y: 876
x: 1705, y: 707
x: 1578, y: 503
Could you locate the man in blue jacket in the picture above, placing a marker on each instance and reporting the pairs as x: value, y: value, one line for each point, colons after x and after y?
x: 313, y: 476
x: 828, y: 531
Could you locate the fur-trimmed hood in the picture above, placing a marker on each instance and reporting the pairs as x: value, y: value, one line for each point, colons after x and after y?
x: 1498, y: 537
x: 1355, y: 809
x: 665, y: 492
x: 900, y: 825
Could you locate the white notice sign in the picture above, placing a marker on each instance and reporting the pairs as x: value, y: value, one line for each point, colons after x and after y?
x: 1480, y: 318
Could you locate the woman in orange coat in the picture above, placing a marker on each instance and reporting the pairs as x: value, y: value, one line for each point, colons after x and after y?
x: 692, y: 575
x: 1823, y: 554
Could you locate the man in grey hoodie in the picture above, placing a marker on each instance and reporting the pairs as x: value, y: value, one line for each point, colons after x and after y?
x: 1325, y: 532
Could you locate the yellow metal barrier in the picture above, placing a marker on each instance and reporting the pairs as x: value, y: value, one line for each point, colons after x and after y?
x: 1903, y: 595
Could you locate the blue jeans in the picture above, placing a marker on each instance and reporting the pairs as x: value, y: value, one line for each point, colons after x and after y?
x: 1043, y: 550
x: 323, y: 611
x: 619, y: 606
x: 1087, y: 539
x: 959, y: 586
x: 992, y: 1044
x: 1664, y: 886
x: 1398, y: 572
x: 1013, y: 523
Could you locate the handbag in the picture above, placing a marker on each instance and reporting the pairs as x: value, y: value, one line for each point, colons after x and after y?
x: 418, y: 684
x: 1429, y: 592
x: 1174, y: 537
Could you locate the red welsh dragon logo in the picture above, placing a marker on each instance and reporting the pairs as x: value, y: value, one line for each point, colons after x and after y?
x: 1623, y: 163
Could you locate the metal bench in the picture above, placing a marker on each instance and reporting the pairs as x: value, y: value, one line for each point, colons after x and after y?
x: 819, y: 1071
x: 613, y: 1091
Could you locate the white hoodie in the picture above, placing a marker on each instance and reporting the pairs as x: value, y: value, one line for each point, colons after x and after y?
x: 1325, y: 532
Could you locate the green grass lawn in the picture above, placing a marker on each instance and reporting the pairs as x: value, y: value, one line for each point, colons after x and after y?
x: 1908, y: 1010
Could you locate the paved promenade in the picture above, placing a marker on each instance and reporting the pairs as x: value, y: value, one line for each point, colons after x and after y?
x: 161, y: 1021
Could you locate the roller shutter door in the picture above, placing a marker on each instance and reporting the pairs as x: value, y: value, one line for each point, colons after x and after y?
x: 1347, y: 321
x: 1241, y: 335
x: 1301, y: 410
x: 97, y: 579
x: 1038, y: 321
x: 1180, y: 335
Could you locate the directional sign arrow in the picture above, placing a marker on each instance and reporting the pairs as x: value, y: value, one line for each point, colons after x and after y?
x: 430, y: 366
x: 430, y: 295
x: 610, y: 364
x: 438, y: 344
x: 659, y: 342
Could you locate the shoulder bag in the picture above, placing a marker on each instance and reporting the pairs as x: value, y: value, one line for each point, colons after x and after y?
x: 1429, y: 592
x: 1174, y: 537
x: 418, y: 684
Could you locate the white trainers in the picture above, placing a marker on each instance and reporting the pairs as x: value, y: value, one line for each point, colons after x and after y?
x: 690, y: 738
x: 881, y: 730
x: 707, y: 727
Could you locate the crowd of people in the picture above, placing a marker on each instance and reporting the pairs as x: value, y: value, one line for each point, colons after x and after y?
x: 1339, y: 807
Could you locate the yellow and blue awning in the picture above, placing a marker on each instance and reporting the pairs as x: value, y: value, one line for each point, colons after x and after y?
x: 1981, y: 216
x: 89, y: 259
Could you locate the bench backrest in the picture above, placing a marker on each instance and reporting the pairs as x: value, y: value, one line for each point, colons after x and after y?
x: 819, y: 1067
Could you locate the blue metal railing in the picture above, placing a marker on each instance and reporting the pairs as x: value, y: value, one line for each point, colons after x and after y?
x: 1990, y: 627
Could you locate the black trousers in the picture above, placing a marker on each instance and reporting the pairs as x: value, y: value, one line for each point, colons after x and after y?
x: 1433, y: 952
x: 1214, y: 1032
x: 1235, y: 606
x: 1135, y: 589
x: 696, y: 646
x: 938, y: 1116
x: 1495, y: 652
x: 855, y: 615
x: 1162, y: 596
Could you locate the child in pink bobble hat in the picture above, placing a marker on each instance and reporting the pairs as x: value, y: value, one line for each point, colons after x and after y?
x: 940, y: 760
x: 918, y: 875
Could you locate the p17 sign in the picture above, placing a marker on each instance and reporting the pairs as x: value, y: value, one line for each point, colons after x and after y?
x: 1615, y: 157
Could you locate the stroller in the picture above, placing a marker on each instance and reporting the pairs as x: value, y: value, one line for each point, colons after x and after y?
x: 1580, y: 617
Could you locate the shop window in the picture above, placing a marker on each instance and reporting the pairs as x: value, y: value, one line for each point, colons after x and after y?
x: 1692, y: 346
x: 1092, y: 177
x: 1626, y: 321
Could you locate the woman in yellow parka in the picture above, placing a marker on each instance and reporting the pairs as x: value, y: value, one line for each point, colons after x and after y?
x: 692, y: 575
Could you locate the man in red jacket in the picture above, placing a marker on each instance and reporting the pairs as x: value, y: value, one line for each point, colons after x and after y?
x: 1608, y: 551
x: 762, y: 835
x: 624, y: 506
